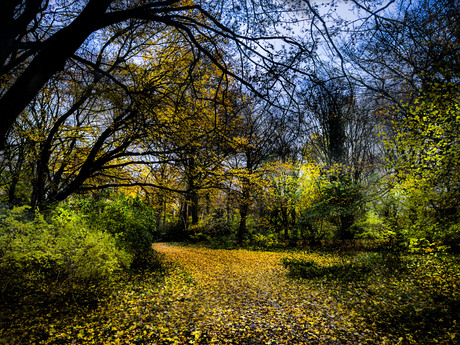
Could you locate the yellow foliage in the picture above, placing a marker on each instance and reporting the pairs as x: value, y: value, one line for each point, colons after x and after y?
x: 228, y: 296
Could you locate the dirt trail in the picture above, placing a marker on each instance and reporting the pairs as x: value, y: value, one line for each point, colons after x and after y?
x: 239, y: 296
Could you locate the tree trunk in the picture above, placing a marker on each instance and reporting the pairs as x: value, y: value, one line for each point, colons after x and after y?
x: 242, y: 229
x: 15, y: 177
x: 244, y: 209
x: 346, y: 221
x: 185, y: 214
x: 49, y: 60
x: 194, y: 206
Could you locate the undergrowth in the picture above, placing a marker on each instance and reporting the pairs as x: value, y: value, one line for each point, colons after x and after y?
x: 108, y: 314
x: 414, y: 297
x: 347, y: 268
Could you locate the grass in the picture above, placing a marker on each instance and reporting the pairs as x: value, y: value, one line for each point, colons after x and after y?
x: 254, y: 297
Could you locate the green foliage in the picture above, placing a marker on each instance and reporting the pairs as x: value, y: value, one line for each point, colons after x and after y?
x: 423, y: 246
x: 279, y: 203
x: 315, y: 230
x: 373, y: 226
x: 412, y: 210
x: 128, y: 219
x: 425, y: 155
x: 213, y: 230
x: 349, y: 269
x: 334, y: 207
x: 269, y: 240
x: 54, y: 257
x: 426, y: 144
x: 451, y: 237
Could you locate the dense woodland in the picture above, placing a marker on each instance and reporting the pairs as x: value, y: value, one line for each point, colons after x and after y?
x: 234, y: 124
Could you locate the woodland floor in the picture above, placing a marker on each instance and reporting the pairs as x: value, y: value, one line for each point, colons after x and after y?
x: 214, y: 296
x: 241, y: 296
x: 246, y: 297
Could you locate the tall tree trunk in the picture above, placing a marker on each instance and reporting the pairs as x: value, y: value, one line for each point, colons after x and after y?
x: 242, y: 229
x: 244, y: 210
x: 15, y: 177
x: 194, y: 206
x: 286, y: 223
x: 346, y: 221
x: 12, y: 188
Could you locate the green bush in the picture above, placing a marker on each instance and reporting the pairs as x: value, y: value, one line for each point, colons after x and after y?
x: 269, y: 240
x: 351, y: 269
x: 303, y: 268
x: 414, y: 211
x: 373, y: 226
x: 53, y: 257
x: 214, y: 230
x: 128, y: 219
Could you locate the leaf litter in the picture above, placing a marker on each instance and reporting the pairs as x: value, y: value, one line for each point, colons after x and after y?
x: 211, y: 296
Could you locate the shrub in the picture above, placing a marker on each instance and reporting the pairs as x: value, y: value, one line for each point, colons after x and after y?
x: 269, y: 240
x: 338, y: 200
x: 128, y: 219
x: 303, y: 268
x: 354, y: 268
x: 213, y: 230
x: 373, y: 226
x: 54, y: 257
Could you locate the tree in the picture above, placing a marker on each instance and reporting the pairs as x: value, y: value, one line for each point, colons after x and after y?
x: 81, y: 130
x: 399, y: 55
x: 15, y: 170
x: 411, y: 65
x: 261, y: 135
x: 200, y: 126
x: 100, y: 125
x: 425, y: 155
x: 342, y: 141
x: 39, y: 38
x: 279, y: 202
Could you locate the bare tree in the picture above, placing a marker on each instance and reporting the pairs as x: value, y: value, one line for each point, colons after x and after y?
x: 38, y: 38
x: 342, y: 139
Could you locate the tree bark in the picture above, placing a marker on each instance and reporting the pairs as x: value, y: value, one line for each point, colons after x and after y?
x: 49, y: 60
x: 244, y: 210
x: 242, y: 228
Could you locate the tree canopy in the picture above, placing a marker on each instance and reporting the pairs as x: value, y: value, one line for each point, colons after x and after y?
x: 196, y: 106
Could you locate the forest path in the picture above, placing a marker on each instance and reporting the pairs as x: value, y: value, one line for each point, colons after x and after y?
x: 246, y: 297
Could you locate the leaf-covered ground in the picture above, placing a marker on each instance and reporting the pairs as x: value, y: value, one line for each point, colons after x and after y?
x: 247, y: 297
